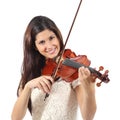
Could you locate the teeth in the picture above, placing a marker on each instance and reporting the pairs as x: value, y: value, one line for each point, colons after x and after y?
x: 51, y: 51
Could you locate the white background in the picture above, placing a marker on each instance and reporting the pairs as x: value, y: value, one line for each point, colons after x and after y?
x: 95, y: 34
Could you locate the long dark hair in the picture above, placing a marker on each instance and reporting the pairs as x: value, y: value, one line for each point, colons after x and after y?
x: 33, y: 61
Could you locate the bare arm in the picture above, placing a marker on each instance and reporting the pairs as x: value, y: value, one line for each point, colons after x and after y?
x: 86, y: 95
x: 21, y: 104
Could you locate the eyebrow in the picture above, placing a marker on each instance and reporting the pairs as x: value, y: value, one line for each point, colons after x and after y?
x: 52, y: 34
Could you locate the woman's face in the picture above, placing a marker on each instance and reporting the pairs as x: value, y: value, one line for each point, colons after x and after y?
x: 47, y: 44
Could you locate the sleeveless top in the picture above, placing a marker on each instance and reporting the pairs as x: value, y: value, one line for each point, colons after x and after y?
x: 61, y: 104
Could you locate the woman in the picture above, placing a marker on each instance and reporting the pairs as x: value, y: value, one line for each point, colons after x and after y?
x: 43, y: 41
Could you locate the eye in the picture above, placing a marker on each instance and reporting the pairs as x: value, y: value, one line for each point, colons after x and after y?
x: 42, y: 42
x: 52, y: 37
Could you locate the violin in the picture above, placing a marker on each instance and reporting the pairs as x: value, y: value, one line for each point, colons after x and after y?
x: 68, y: 68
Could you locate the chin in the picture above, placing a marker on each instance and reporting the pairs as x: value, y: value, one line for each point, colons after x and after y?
x: 53, y: 56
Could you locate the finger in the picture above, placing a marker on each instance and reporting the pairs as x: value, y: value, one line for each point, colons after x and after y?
x: 45, y: 85
x: 81, y: 70
x: 39, y: 86
x: 84, y: 73
x: 50, y: 79
x: 87, y: 71
x: 48, y: 83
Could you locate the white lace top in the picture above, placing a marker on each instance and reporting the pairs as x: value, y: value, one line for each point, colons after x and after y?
x: 60, y: 105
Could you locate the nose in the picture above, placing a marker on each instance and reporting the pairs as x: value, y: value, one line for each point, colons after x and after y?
x: 48, y: 45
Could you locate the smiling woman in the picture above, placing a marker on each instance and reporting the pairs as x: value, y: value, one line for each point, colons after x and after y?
x: 47, y: 44
x: 43, y: 41
x: 95, y: 33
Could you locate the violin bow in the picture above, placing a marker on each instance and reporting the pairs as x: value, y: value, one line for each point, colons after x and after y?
x: 55, y: 72
x: 58, y: 65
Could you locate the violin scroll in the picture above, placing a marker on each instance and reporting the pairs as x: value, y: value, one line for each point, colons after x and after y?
x: 104, y: 76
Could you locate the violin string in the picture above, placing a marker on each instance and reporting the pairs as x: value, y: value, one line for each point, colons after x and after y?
x: 55, y: 72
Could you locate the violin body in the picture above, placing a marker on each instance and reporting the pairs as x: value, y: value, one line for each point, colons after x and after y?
x: 68, y: 68
x: 67, y: 73
x: 51, y: 66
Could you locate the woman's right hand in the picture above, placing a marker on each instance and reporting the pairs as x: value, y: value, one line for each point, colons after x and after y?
x: 43, y: 83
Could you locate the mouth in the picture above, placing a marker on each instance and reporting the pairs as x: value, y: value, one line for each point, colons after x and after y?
x: 52, y: 53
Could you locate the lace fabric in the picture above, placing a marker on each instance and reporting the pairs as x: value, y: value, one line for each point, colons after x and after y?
x: 60, y: 105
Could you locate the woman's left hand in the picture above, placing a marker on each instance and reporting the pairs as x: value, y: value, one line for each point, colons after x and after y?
x: 85, y: 76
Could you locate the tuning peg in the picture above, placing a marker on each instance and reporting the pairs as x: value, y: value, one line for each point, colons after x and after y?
x: 106, y: 72
x: 99, y: 84
x: 101, y: 68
